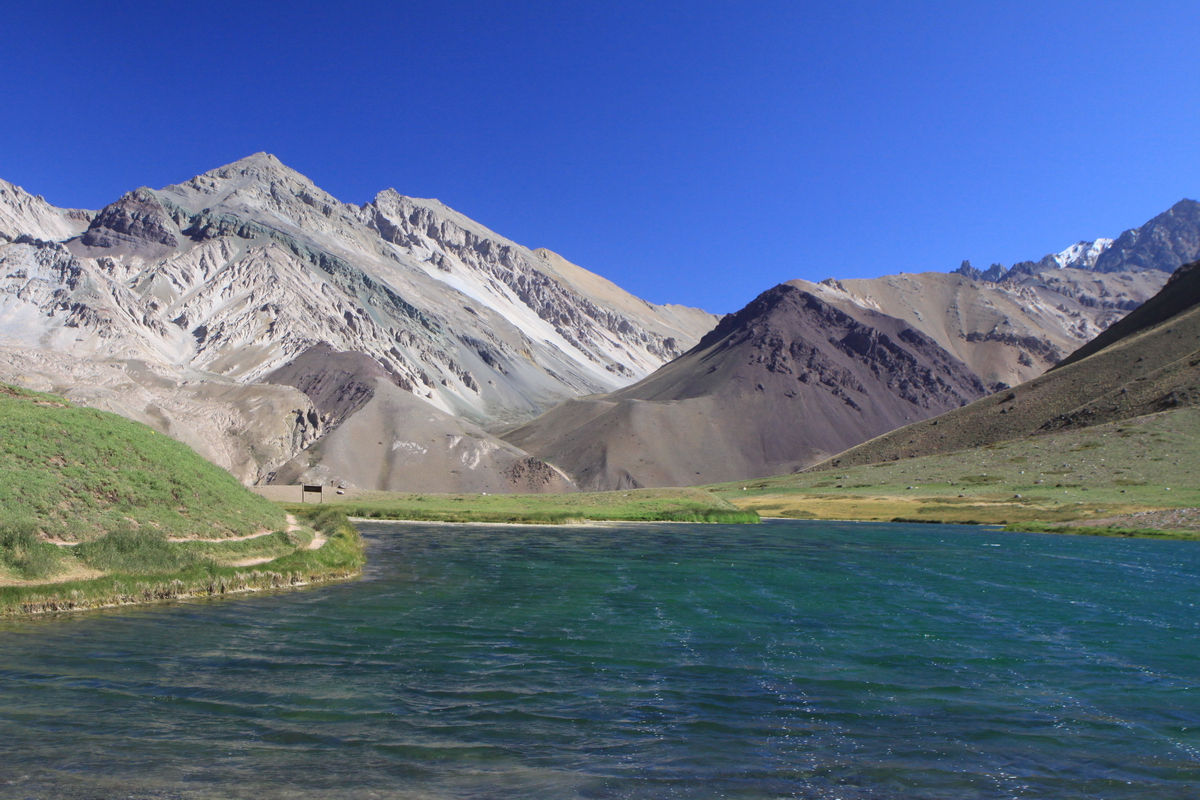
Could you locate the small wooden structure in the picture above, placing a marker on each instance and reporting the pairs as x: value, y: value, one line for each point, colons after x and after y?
x: 312, y: 488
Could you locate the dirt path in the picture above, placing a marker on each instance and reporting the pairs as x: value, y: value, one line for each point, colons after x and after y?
x: 318, y: 538
x: 292, y: 525
x: 84, y: 573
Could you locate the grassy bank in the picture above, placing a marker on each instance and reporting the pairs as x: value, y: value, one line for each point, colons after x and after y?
x: 78, y: 473
x: 132, y: 567
x: 1091, y: 530
x: 634, y: 505
x: 96, y: 511
x: 1098, y: 473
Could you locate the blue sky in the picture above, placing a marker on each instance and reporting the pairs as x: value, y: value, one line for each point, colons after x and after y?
x: 694, y: 152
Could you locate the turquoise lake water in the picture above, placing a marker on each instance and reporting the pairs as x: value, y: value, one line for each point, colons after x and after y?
x: 810, y: 660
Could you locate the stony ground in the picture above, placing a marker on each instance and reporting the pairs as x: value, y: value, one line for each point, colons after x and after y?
x: 1174, y: 519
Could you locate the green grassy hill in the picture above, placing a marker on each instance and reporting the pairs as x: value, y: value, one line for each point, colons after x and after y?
x: 78, y: 473
x: 96, y: 510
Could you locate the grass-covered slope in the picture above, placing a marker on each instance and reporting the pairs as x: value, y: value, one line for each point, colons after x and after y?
x: 76, y: 474
x: 634, y: 505
x: 96, y: 510
x: 1093, y: 475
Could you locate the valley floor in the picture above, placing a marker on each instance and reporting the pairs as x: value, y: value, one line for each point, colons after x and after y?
x: 633, y: 505
x: 1142, y: 473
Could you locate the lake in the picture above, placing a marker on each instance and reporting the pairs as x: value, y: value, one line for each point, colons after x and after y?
x: 788, y: 659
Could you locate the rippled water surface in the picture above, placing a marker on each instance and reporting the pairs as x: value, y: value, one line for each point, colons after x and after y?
x: 811, y: 660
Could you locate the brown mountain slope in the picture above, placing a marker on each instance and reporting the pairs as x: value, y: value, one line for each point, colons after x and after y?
x: 1150, y: 364
x: 1007, y: 332
x: 1180, y: 293
x: 776, y: 387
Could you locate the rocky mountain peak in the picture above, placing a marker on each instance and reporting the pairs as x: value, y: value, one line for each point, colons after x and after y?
x: 137, y: 223
x: 24, y: 213
x: 257, y: 183
x: 1165, y: 243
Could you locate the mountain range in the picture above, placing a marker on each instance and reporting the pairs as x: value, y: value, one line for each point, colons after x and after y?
x: 1148, y: 362
x: 180, y: 307
x: 288, y: 336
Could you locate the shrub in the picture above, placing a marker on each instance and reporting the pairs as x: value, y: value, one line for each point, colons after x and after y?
x: 25, y: 553
x: 135, y: 551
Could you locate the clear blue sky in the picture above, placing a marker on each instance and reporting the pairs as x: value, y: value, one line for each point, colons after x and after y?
x: 695, y: 152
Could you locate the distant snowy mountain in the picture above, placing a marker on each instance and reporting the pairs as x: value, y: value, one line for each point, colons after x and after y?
x: 1082, y: 255
x: 1163, y: 244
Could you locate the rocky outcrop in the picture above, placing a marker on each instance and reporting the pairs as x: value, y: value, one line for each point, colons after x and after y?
x: 1164, y: 243
x: 23, y: 214
x: 137, y: 223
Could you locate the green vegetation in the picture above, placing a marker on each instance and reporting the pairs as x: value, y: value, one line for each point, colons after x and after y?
x: 634, y: 505
x: 25, y: 554
x: 79, y: 473
x: 1090, y: 530
x: 97, y: 511
x: 131, y: 552
x: 145, y: 567
x: 1097, y: 473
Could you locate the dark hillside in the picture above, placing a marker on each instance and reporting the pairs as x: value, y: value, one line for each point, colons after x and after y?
x: 774, y: 388
x: 1181, y: 293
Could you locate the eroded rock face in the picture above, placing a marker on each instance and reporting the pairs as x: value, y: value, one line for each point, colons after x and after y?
x: 1010, y: 331
x: 244, y: 270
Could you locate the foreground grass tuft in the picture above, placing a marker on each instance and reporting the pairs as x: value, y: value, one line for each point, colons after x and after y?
x: 132, y: 551
x: 27, y: 555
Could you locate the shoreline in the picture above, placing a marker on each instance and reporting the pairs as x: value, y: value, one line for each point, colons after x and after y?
x: 338, y: 556
x: 584, y: 523
x: 72, y: 606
